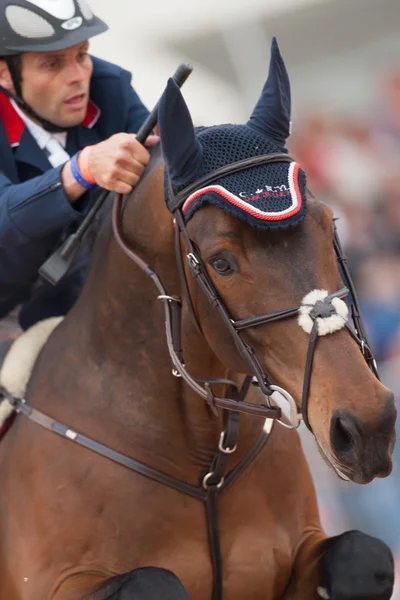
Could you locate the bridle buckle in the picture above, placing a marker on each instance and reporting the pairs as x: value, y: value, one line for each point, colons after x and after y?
x: 194, y: 262
x: 221, y: 446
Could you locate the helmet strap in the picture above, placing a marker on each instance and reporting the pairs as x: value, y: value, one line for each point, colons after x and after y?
x: 17, y: 97
x: 15, y: 74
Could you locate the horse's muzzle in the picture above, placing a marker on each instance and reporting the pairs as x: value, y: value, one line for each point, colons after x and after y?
x: 364, y: 450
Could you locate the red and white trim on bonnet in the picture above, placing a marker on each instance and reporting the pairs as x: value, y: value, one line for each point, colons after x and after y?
x: 252, y: 210
x: 15, y: 126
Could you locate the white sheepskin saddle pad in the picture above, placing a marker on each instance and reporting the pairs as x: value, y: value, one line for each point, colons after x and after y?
x: 20, y: 360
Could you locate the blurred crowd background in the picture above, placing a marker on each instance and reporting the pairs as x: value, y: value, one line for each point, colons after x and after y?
x: 353, y: 164
x: 344, y: 63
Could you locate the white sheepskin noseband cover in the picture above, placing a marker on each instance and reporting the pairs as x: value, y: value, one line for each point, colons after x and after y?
x: 328, y: 324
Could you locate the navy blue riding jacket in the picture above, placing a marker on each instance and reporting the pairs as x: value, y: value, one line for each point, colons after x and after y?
x: 35, y: 214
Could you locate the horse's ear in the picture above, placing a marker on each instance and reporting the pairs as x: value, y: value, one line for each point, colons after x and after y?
x: 271, y: 115
x: 181, y: 149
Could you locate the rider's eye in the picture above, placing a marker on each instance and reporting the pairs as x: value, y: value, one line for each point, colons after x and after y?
x: 221, y: 266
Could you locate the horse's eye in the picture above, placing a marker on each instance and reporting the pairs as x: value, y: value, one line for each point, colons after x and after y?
x: 221, y: 266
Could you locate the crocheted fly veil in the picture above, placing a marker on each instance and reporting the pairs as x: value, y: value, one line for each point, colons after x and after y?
x: 266, y: 196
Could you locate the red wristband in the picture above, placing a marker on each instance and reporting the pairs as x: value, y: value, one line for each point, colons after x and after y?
x: 83, y: 163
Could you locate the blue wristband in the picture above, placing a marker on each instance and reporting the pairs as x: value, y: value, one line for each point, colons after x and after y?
x: 77, y: 174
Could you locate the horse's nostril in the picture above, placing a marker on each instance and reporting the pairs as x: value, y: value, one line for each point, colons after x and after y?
x: 342, y: 439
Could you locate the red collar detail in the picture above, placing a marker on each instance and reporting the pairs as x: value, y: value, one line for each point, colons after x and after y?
x: 15, y: 126
x: 12, y: 122
x: 92, y: 115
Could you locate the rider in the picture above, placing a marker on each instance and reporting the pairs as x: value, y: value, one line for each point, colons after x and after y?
x: 67, y: 124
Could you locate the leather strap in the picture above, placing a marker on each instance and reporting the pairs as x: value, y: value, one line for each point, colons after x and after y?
x: 307, y: 373
x: 181, y: 270
x: 213, y: 539
x: 255, y: 321
x: 176, y: 324
x: 199, y: 492
x: 228, y: 440
x: 66, y: 432
x: 234, y: 475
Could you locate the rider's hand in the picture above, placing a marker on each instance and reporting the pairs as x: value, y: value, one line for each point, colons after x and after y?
x: 118, y: 163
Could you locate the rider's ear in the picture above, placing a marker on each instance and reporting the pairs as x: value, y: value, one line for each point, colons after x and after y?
x: 181, y: 149
x: 6, y: 81
x: 271, y: 115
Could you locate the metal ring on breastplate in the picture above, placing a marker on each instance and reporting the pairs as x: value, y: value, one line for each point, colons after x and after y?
x: 208, y: 477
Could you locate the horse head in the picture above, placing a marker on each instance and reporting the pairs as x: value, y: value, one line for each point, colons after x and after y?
x: 267, y: 246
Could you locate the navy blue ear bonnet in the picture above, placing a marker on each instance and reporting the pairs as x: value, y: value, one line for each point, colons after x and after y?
x: 266, y: 196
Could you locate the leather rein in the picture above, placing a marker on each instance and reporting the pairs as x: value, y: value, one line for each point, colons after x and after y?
x: 218, y: 479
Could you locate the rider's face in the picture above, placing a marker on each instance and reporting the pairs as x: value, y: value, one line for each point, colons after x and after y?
x: 56, y: 84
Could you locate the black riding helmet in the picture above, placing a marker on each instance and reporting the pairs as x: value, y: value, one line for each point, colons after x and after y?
x: 42, y: 26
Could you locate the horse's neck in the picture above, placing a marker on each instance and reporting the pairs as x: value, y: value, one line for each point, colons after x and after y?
x: 121, y: 325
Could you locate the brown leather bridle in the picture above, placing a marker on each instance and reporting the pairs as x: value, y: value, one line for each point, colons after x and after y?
x: 197, y: 268
x: 217, y: 480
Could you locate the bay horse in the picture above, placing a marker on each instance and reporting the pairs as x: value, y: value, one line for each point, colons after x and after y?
x: 180, y: 490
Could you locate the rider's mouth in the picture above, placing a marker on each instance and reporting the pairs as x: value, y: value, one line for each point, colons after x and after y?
x: 77, y: 102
